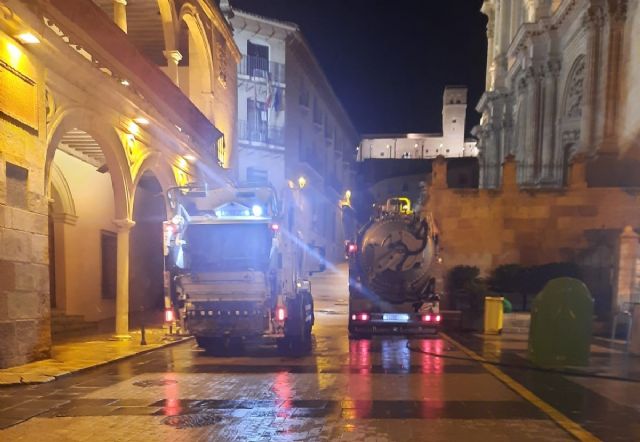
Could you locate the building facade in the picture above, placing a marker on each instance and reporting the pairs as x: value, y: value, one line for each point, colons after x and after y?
x: 451, y: 143
x: 561, y: 80
x: 293, y: 131
x: 558, y: 142
x: 103, y: 107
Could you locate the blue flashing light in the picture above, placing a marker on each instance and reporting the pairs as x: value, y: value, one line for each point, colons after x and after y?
x: 257, y: 210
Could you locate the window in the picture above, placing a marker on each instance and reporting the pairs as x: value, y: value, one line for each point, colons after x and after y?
x: 257, y: 120
x: 109, y: 252
x: 317, y: 113
x: 257, y: 176
x: 16, y: 185
x: 304, y: 97
x: 257, y: 60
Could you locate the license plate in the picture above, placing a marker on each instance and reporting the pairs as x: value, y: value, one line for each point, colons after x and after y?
x: 395, y: 317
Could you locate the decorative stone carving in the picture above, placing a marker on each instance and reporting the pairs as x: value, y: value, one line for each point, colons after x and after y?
x: 553, y: 67
x: 575, y: 90
x: 222, y: 64
x: 594, y: 17
x: 570, y: 137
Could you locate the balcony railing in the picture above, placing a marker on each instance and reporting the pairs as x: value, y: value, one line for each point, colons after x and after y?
x: 261, y: 133
x: 258, y: 67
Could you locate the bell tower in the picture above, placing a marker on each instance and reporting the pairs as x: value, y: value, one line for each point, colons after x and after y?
x: 454, y: 112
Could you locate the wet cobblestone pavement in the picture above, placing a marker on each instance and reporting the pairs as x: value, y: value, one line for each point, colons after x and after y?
x: 360, y: 390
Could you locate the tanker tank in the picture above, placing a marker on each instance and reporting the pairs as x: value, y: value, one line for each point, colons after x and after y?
x: 391, y: 263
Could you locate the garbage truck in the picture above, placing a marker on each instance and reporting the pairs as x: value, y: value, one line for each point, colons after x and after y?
x: 234, y: 271
x: 392, y: 288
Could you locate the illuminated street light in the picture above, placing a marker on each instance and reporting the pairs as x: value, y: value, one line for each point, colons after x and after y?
x: 302, y: 181
x: 28, y: 38
x: 133, y: 128
x: 142, y: 121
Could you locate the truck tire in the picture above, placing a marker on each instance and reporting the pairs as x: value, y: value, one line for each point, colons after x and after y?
x: 297, y: 340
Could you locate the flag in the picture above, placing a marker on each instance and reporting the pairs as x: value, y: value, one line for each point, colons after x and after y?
x: 277, y: 100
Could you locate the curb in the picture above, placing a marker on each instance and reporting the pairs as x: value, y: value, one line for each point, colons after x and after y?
x: 99, y: 364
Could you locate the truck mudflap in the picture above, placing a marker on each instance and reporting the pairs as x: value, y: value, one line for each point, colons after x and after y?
x: 366, y: 323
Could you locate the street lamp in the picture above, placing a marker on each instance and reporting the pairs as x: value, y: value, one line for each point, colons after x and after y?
x: 302, y: 181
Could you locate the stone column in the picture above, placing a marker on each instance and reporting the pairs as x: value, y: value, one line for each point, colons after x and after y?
x: 173, y: 60
x: 548, y: 174
x: 532, y: 126
x: 487, y: 9
x: 122, y: 283
x: 617, y: 15
x: 627, y: 258
x: 62, y: 223
x: 593, y: 22
x: 120, y: 14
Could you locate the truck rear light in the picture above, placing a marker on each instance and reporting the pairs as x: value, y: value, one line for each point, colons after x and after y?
x: 438, y: 318
x: 426, y: 318
x: 360, y: 317
x: 168, y: 315
x: 281, y: 313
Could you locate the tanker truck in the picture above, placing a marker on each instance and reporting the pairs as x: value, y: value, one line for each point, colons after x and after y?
x: 391, y: 282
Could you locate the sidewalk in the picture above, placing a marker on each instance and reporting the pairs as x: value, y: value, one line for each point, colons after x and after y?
x: 83, y: 353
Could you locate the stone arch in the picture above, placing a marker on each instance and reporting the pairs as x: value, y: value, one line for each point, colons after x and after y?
x: 110, y: 144
x: 574, y: 90
x: 146, y: 256
x: 60, y: 193
x: 193, y: 41
x: 161, y: 169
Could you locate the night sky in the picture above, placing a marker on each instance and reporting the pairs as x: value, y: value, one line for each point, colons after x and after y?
x: 388, y: 61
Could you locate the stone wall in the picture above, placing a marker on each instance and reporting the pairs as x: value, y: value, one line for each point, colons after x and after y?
x: 487, y: 228
x: 24, y: 270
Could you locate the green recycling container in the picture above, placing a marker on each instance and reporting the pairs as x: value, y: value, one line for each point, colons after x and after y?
x: 561, y: 324
x: 493, y: 315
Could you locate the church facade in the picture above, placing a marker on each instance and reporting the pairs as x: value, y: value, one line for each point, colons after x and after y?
x: 562, y: 80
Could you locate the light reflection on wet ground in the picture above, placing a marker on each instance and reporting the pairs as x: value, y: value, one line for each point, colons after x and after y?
x: 365, y: 390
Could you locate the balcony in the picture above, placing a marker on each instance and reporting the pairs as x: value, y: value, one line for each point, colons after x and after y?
x: 258, y: 67
x: 260, y: 133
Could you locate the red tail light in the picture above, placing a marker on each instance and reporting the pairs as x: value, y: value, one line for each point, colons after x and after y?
x: 352, y: 248
x: 281, y: 313
x: 275, y: 227
x: 438, y: 318
x: 426, y: 318
x: 168, y: 315
x: 360, y: 317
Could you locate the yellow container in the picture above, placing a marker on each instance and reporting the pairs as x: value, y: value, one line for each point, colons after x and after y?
x: 493, y: 315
